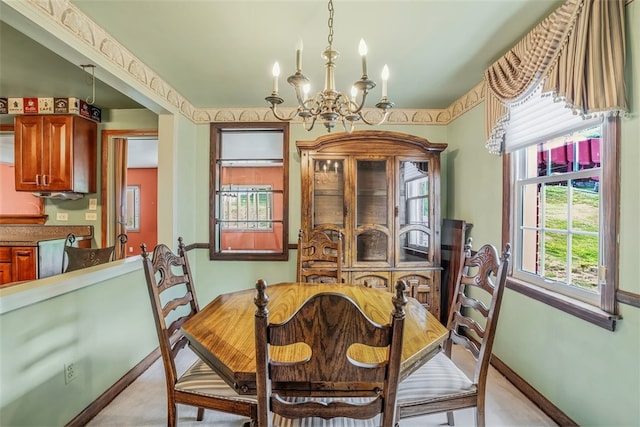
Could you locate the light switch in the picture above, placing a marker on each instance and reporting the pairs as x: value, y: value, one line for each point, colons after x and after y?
x: 93, y: 204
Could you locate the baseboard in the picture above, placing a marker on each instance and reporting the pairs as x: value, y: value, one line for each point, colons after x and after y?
x: 532, y: 394
x: 105, y: 398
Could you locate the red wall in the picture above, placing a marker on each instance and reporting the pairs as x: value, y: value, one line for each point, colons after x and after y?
x: 12, y: 201
x: 147, y: 179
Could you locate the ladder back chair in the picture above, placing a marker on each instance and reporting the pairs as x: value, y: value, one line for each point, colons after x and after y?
x: 439, y: 385
x: 327, y: 385
x: 74, y: 258
x: 199, y: 385
x: 319, y: 258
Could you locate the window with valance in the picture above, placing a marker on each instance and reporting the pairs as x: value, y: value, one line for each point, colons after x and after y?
x: 559, y: 87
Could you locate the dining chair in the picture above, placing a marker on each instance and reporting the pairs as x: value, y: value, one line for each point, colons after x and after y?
x: 328, y: 382
x: 319, y: 258
x: 173, y: 301
x: 440, y: 385
x: 74, y: 258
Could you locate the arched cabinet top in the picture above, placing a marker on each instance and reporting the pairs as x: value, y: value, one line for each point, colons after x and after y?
x: 382, y: 142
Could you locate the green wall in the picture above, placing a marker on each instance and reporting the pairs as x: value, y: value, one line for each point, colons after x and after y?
x: 106, y: 327
x: 591, y: 374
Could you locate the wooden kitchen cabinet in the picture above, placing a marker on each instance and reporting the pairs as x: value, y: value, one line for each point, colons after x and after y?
x: 381, y: 191
x: 18, y: 263
x: 55, y: 153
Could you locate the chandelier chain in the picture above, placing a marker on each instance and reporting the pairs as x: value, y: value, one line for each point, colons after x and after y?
x: 330, y: 23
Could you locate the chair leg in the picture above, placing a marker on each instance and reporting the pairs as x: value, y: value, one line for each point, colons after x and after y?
x: 171, y: 414
x: 450, y: 420
x: 200, y: 415
x: 480, y: 414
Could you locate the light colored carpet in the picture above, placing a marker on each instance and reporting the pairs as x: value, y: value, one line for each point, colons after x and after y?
x: 144, y: 404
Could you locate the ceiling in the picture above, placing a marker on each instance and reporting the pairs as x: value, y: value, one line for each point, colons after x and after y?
x: 220, y: 53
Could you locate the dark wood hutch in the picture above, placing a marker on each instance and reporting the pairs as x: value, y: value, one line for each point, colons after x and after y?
x: 381, y: 191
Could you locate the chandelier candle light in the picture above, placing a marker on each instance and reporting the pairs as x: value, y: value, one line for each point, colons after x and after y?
x: 330, y: 105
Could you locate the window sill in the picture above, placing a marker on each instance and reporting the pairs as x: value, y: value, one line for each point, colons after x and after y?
x: 568, y: 305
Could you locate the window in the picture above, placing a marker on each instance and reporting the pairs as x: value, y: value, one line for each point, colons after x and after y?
x: 249, y: 201
x: 246, y: 207
x: 563, y: 218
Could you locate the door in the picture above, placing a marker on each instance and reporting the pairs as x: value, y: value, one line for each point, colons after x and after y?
x: 119, y: 159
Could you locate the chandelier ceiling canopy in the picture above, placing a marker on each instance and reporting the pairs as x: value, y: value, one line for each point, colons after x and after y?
x: 330, y: 105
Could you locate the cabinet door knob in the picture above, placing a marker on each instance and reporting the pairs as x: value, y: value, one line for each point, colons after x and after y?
x: 45, y: 181
x: 38, y: 179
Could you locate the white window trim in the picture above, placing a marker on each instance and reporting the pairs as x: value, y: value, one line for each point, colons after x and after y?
x: 519, y: 135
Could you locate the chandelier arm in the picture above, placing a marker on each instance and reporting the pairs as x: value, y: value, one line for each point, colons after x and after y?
x: 313, y: 122
x: 359, y: 106
x: 274, y: 110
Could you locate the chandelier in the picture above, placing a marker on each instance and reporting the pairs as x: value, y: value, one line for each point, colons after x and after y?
x: 329, y: 105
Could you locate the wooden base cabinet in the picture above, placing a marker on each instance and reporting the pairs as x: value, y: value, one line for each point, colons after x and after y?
x: 18, y: 263
x: 55, y: 153
x: 381, y: 191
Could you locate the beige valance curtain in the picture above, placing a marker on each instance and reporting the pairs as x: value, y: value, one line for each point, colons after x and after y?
x: 578, y: 52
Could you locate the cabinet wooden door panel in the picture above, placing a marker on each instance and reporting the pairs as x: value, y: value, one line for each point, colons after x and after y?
x: 5, y: 265
x: 23, y: 264
x: 57, y: 151
x: 18, y: 263
x: 5, y: 272
x: 423, y: 286
x: 372, y: 279
x: 28, y: 152
x: 55, y: 154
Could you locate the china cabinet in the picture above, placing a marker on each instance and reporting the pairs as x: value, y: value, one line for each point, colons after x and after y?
x: 381, y: 192
x: 55, y: 153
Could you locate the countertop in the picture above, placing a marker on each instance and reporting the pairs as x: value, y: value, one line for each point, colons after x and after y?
x: 30, y: 235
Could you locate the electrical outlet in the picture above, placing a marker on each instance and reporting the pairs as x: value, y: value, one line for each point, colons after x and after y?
x: 90, y: 216
x: 62, y: 216
x: 93, y: 204
x: 70, y: 373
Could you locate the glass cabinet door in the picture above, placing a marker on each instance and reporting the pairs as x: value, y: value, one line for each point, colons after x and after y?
x: 414, y: 213
x: 372, y: 219
x: 328, y: 192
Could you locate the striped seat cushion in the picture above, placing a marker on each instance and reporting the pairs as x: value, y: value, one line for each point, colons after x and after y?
x: 279, y: 421
x: 438, y: 378
x: 200, y: 378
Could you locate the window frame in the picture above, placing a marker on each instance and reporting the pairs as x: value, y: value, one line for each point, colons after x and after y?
x: 217, y: 130
x: 606, y: 314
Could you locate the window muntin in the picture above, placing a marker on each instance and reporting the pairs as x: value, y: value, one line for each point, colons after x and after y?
x: 249, y: 192
x: 558, y: 214
x: 247, y: 207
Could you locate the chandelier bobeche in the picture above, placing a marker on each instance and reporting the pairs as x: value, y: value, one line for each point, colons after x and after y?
x: 330, y: 105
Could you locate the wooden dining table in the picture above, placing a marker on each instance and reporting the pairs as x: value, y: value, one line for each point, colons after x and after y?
x: 222, y: 333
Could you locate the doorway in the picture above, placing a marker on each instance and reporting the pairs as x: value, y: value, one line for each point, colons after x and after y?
x: 129, y: 188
